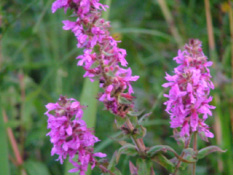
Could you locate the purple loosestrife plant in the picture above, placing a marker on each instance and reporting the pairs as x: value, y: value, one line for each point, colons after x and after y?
x: 188, y: 98
x: 70, y: 135
x: 188, y: 102
x: 102, y: 59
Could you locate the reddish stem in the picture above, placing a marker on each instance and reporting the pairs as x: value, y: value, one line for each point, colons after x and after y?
x: 13, y: 142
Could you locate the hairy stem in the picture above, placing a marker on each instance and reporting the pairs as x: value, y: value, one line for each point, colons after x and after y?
x: 181, y: 156
x: 104, y: 169
x: 141, y: 148
x: 195, y: 149
x: 14, y: 145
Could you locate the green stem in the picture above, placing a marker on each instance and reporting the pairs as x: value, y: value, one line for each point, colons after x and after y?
x: 181, y: 157
x: 195, y: 149
x: 138, y: 142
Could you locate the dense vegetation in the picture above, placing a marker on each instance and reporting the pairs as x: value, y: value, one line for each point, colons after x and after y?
x: 37, y: 64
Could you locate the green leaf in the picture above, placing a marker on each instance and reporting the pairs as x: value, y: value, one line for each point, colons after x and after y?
x: 128, y: 149
x: 117, y: 172
x: 163, y: 161
x: 143, y: 31
x: 208, y: 150
x: 145, y: 116
x: 4, y: 164
x: 120, y: 121
x: 135, y: 113
x: 141, y: 132
x: 38, y: 168
x: 160, y: 148
x: 134, y: 120
x: 111, y: 166
x: 108, y: 141
x: 13, y: 124
x: 123, y: 100
x: 144, y: 167
x: 113, y: 162
x: 189, y: 155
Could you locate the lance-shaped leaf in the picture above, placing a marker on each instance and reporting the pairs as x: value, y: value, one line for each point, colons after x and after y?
x: 163, y: 161
x: 145, y: 116
x: 144, y: 166
x: 207, y: 150
x: 160, y: 148
x: 135, y: 113
x: 190, y: 155
x: 117, y: 137
x: 119, y: 121
x: 113, y: 162
x: 109, y: 168
x: 153, y: 151
x: 128, y: 149
x: 134, y: 120
x: 140, y: 132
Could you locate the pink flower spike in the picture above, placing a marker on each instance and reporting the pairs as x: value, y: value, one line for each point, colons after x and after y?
x: 102, y: 59
x: 188, y: 99
x: 70, y: 135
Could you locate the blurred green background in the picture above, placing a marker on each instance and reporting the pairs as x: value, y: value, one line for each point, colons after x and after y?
x: 37, y: 64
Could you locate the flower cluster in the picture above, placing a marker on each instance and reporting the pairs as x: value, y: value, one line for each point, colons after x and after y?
x: 70, y: 135
x: 102, y: 60
x: 188, y: 98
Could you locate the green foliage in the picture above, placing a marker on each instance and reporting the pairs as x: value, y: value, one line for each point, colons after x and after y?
x: 154, y: 150
x: 144, y: 166
x: 34, y: 44
x: 34, y: 167
x: 208, y: 150
x: 163, y: 161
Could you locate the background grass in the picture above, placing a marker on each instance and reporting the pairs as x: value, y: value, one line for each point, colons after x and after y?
x: 37, y: 64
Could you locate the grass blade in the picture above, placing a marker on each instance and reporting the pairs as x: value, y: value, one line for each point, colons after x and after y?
x: 143, y: 31
x: 170, y: 21
x: 88, y: 98
x: 4, y: 164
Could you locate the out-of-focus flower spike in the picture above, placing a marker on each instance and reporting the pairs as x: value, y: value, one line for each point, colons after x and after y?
x: 188, y: 99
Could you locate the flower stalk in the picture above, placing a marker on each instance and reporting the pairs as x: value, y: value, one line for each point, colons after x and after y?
x: 195, y: 150
x: 181, y: 156
x: 141, y: 148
